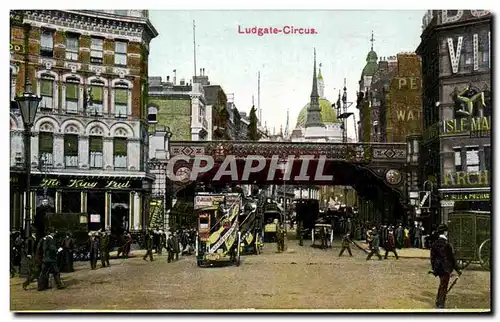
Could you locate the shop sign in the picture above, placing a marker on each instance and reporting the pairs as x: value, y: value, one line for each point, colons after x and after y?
x: 467, y: 196
x: 89, y: 183
x: 466, y: 179
x: 477, y: 126
x: 95, y: 218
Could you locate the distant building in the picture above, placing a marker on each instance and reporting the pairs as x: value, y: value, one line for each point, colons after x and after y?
x: 181, y: 107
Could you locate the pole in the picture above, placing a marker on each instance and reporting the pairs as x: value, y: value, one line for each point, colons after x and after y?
x: 27, y: 166
x: 194, y: 47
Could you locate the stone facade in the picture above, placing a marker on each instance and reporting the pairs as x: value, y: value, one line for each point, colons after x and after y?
x: 90, y: 68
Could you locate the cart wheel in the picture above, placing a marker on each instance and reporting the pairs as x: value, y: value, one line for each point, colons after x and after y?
x: 485, y: 254
x: 462, y: 263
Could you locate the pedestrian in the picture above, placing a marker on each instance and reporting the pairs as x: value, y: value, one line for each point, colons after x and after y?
x: 103, y: 247
x: 93, y: 246
x: 159, y: 245
x: 390, y: 245
x: 443, y: 263
x: 170, y: 247
x: 156, y: 241
x: 399, y: 234
x: 406, y: 237
x: 374, y: 246
x: 49, y: 263
x: 29, y: 253
x: 67, y: 245
x: 322, y: 234
x: 346, y: 244
x: 149, y: 246
x: 18, y: 250
x: 280, y: 239
x: 417, y: 236
x: 177, y: 245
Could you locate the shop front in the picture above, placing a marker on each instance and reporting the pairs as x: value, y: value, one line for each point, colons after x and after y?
x: 89, y: 203
x: 465, y: 191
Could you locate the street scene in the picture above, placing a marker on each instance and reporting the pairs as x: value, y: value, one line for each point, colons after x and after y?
x: 223, y: 160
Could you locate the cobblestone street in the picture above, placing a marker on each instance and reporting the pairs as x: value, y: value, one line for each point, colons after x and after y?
x: 301, y: 278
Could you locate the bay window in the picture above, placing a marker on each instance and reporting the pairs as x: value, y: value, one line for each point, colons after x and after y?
x: 71, y: 150
x: 46, y: 147
x: 120, y: 152
x: 96, y: 155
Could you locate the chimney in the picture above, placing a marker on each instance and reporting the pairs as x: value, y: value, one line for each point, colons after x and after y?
x: 182, y: 82
x: 201, y: 71
x: 168, y: 79
x: 175, y: 76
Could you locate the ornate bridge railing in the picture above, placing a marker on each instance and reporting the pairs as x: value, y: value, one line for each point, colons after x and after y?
x: 362, y: 153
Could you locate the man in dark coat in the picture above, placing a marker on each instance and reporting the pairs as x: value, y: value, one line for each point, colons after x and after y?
x: 390, y: 244
x: 93, y: 250
x: 443, y: 263
x: 399, y: 234
x: 49, y: 265
x: 149, y: 246
x: 104, y: 248
x: 67, y: 245
x: 374, y: 246
x: 170, y: 248
x: 29, y: 253
x: 177, y: 247
x: 346, y: 244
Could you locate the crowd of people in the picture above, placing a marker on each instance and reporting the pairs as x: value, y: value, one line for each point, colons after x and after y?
x: 50, y: 255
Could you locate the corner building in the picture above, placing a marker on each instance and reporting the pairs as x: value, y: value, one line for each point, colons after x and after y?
x: 90, y: 143
x: 456, y: 78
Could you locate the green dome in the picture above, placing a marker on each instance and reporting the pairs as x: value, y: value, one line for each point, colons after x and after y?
x: 328, y: 115
x: 371, y: 64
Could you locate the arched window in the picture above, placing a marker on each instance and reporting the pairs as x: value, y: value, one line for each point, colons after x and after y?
x: 152, y: 113
x: 95, y: 148
x: 120, y: 149
x: 121, y: 100
x: 72, y: 95
x: 71, y: 146
x: 46, y: 144
x: 47, y: 83
x: 96, y: 98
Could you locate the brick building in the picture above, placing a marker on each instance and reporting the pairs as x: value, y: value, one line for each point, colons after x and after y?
x: 90, y: 143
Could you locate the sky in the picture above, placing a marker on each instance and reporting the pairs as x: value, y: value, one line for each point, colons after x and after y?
x: 233, y: 60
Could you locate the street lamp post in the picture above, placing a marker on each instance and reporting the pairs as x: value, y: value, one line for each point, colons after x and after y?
x: 28, y: 104
x: 284, y: 166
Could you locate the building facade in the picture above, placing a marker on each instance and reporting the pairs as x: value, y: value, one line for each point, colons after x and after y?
x: 90, y: 142
x: 181, y: 107
x: 456, y: 149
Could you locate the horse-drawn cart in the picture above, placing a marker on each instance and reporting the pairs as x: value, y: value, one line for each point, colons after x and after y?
x: 470, y: 235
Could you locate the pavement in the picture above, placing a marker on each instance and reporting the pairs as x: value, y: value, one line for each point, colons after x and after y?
x: 301, y: 278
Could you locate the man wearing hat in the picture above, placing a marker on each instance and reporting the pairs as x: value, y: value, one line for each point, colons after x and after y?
x: 49, y: 265
x: 149, y: 245
x: 104, y: 248
x: 93, y: 249
x: 443, y: 263
x: 374, y: 246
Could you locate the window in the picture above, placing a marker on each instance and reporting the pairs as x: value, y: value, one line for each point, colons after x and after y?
x: 487, y: 157
x: 152, y: 112
x: 95, y: 148
x: 72, y: 96
x: 72, y: 47
x: 96, y: 48
x: 120, y: 152
x: 47, y: 93
x: 121, y: 12
x: 47, y: 43
x: 472, y: 159
x: 121, y: 102
x: 12, y: 85
x: 46, y: 147
x: 121, y: 53
x: 458, y: 159
x: 96, y: 92
x: 71, y: 150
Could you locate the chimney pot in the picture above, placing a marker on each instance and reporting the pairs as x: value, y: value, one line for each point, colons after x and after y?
x: 168, y: 79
